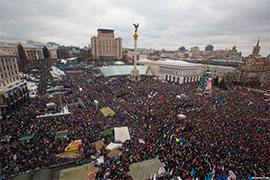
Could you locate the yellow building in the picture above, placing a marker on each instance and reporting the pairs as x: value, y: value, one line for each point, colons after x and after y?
x: 52, y: 53
x: 105, y: 46
x: 12, y: 49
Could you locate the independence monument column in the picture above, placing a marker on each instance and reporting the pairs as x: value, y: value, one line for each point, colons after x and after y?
x: 135, y: 75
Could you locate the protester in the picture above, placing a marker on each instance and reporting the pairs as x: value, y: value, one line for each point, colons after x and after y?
x: 222, y: 131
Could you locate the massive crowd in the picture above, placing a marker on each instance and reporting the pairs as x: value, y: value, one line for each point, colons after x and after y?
x: 223, y: 131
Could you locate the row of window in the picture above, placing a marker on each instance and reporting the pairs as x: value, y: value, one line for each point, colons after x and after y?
x: 178, y: 71
x: 12, y: 51
x: 5, y: 82
x: 7, y: 68
x: 5, y: 61
x: 107, y: 46
x: 34, y: 54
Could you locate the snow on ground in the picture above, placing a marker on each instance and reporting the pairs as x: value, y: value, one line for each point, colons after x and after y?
x: 57, y: 73
x: 67, y: 59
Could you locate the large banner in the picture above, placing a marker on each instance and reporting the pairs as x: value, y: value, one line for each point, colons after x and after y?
x: 208, y: 85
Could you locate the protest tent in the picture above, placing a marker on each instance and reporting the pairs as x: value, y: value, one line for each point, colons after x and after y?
x: 112, y: 146
x: 121, y: 134
x: 114, y: 154
x: 99, y: 144
x: 84, y: 172
x: 14, y: 144
x: 43, y: 174
x: 145, y: 169
x: 107, y: 133
x: 106, y: 111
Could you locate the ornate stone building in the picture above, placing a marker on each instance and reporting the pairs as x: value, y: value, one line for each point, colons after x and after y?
x: 176, y: 71
x: 253, y: 68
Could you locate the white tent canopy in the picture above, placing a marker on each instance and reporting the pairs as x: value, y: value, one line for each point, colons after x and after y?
x: 181, y: 116
x: 121, y: 134
x: 146, y: 169
x: 112, y: 146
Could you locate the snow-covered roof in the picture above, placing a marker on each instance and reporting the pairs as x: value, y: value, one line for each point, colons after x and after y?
x: 221, y: 67
x: 6, y: 45
x: 108, y: 71
x: 119, y: 63
x: 176, y: 63
x: 29, y: 46
x: 3, y: 53
x: 168, y: 62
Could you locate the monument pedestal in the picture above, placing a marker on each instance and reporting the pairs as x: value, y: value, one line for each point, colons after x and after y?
x: 135, y: 75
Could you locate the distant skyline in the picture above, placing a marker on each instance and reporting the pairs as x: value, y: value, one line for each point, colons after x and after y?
x: 166, y: 24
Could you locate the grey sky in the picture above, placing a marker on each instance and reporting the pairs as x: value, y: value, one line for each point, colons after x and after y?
x: 166, y: 24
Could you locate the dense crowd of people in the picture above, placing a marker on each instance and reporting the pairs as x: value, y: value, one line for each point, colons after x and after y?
x: 223, y: 131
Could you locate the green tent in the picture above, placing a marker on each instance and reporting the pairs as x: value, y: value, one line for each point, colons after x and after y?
x: 44, y: 174
x: 144, y: 169
x: 23, y: 177
x: 106, y: 111
x: 107, y: 133
x: 26, y: 137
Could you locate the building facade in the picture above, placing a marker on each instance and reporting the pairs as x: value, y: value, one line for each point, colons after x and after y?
x: 12, y: 49
x: 176, y: 71
x: 222, y: 72
x: 33, y: 52
x: 253, y: 68
x: 52, y: 53
x: 105, y: 46
x: 51, y: 46
x: 13, y: 90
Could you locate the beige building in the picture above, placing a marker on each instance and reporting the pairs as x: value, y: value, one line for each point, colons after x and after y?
x: 12, y: 49
x: 52, y: 53
x: 105, y: 46
x: 253, y: 68
x: 33, y: 52
x: 13, y: 90
x: 52, y: 47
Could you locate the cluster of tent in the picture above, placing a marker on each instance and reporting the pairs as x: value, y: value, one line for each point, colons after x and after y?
x: 142, y: 170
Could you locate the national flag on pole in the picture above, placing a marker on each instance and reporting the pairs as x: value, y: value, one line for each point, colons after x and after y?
x: 148, y: 71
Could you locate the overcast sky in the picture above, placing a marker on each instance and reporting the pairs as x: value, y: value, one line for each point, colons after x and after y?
x: 166, y: 24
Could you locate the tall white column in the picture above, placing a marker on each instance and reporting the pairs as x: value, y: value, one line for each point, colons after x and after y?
x: 135, y: 52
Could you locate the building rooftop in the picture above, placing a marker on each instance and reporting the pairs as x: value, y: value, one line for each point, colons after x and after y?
x: 108, y: 71
x: 106, y: 30
x: 6, y: 45
x: 3, y: 53
x: 169, y: 62
x: 30, y: 46
x: 217, y: 66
